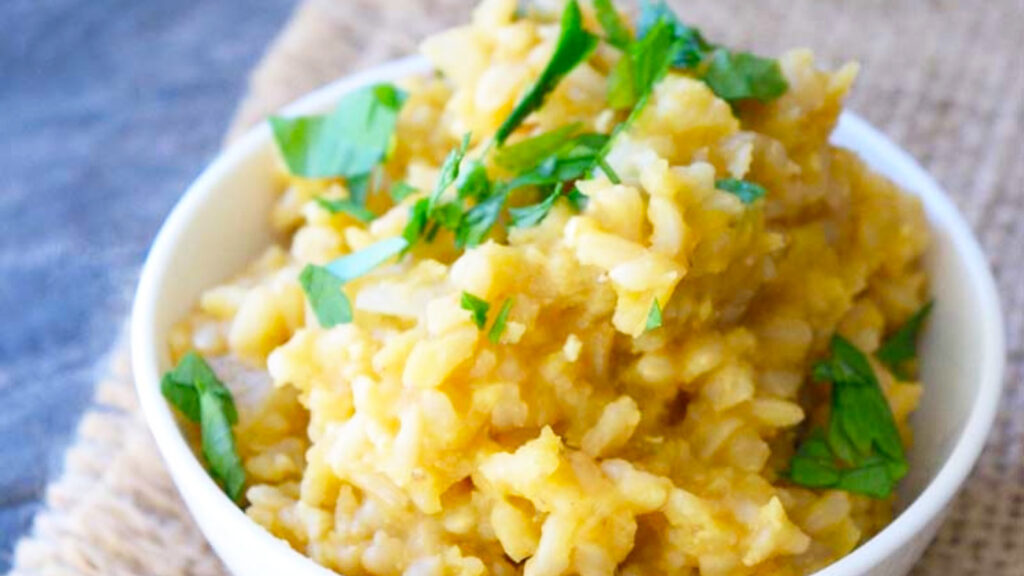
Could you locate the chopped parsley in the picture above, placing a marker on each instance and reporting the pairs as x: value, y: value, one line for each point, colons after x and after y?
x: 322, y: 284
x: 477, y: 308
x: 529, y: 216
x: 478, y: 221
x: 732, y: 76
x: 418, y: 221
x: 194, y: 389
x: 690, y: 46
x: 347, y: 143
x: 574, y: 46
x: 498, y: 328
x: 573, y: 160
x: 653, y: 316
x: 449, y: 171
x: 323, y: 290
x: 860, y: 449
x: 643, y: 64
x: 735, y: 76
x: 746, y: 191
x: 900, y: 348
x: 346, y: 206
x: 472, y: 181
x: 402, y: 190
x: 527, y: 154
x: 616, y: 32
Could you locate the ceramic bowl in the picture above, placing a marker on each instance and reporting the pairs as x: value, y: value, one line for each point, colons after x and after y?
x: 221, y: 224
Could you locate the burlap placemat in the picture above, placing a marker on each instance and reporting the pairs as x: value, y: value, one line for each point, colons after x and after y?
x: 943, y: 78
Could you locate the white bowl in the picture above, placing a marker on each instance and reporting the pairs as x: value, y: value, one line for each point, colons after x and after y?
x: 221, y: 224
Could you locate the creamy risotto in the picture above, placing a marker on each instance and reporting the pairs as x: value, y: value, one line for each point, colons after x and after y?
x: 596, y: 298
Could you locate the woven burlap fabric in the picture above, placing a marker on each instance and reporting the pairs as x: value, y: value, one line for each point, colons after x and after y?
x: 944, y: 79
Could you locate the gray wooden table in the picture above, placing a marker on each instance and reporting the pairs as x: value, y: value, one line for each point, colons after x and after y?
x: 108, y: 108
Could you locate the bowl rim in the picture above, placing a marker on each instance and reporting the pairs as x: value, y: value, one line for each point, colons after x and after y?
x: 187, y: 471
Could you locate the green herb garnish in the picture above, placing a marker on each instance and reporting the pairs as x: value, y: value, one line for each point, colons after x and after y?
x: 194, y: 389
x: 472, y: 181
x: 347, y: 143
x: 323, y: 290
x: 402, y: 190
x: 901, y: 347
x: 573, y: 160
x: 643, y: 64
x: 449, y: 171
x: 478, y: 221
x: 322, y: 284
x: 346, y: 206
x: 746, y: 191
x: 418, y: 221
x: 690, y: 46
x: 616, y: 32
x: 735, y: 76
x: 575, y: 44
x: 529, y: 153
x: 860, y: 450
x: 529, y: 216
x: 498, y: 328
x: 732, y: 76
x: 653, y: 316
x: 477, y: 307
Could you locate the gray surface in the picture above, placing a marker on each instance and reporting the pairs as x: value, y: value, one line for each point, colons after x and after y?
x: 108, y: 108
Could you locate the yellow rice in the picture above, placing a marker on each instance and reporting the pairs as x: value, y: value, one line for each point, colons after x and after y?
x: 406, y: 442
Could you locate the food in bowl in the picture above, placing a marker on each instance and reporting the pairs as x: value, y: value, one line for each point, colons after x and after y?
x: 597, y: 298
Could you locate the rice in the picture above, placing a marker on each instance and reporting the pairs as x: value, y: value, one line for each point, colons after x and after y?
x: 406, y: 442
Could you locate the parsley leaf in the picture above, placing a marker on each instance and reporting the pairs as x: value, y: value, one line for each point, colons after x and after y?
x: 360, y: 263
x: 477, y: 306
x: 218, y: 442
x: 740, y: 76
x: 346, y: 206
x: 813, y: 465
x: 195, y: 390
x: 747, y: 192
x: 690, y: 46
x: 857, y: 401
x: 901, y: 347
x: 573, y: 160
x: 323, y: 290
x: 477, y: 222
x: 322, y: 284
x: 529, y: 216
x: 577, y: 200
x: 644, y: 63
x: 654, y: 316
x: 575, y: 44
x: 402, y: 190
x: 860, y: 450
x: 472, y: 181
x: 418, y: 219
x: 615, y: 29
x: 498, y: 328
x: 732, y: 76
x: 449, y: 171
x: 349, y: 142
x: 528, y: 154
x: 178, y: 386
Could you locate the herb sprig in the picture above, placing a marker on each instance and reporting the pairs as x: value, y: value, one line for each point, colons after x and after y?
x: 901, y: 347
x: 860, y: 449
x: 323, y: 284
x: 195, y: 390
x: 574, y: 45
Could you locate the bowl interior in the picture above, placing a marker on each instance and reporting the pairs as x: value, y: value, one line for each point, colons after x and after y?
x: 222, y: 224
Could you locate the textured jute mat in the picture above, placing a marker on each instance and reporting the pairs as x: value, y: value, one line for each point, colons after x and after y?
x: 943, y: 78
